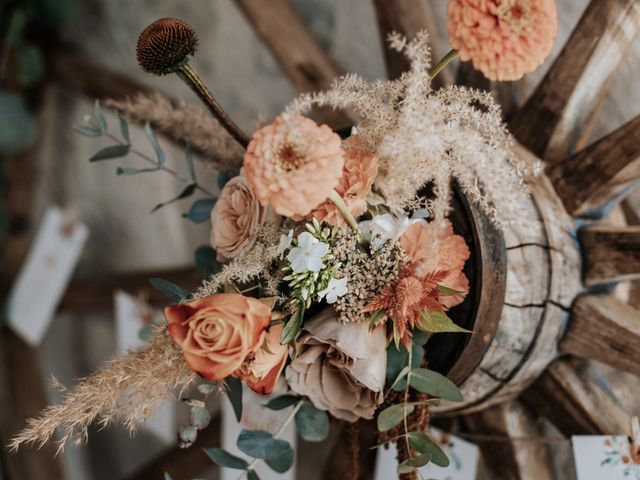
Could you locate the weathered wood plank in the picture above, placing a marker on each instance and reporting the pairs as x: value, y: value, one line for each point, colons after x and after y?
x: 601, y: 173
x: 511, y: 460
x: 550, y: 122
x: 573, y: 404
x: 605, y: 329
x: 408, y: 17
x: 302, y: 57
x: 610, y: 254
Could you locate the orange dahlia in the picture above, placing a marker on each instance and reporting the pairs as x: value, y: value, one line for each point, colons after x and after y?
x: 505, y: 39
x: 292, y: 166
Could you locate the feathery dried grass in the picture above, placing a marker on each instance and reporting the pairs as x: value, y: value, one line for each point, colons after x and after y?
x: 185, y: 124
x: 128, y: 389
x: 423, y: 136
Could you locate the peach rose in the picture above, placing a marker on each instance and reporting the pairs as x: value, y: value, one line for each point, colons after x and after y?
x: 263, y: 371
x: 360, y: 170
x: 432, y: 247
x: 292, y: 166
x: 216, y: 333
x: 235, y: 218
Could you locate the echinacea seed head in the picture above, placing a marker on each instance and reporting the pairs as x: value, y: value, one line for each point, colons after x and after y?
x: 165, y: 45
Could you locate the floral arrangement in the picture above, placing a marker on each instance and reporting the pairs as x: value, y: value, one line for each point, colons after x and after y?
x: 332, y: 260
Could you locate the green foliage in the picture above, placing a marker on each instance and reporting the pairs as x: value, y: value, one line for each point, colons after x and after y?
x: 146, y: 332
x: 263, y: 445
x: 282, y: 402
x: 206, y: 262
x: 108, y: 153
x: 398, y: 359
x: 433, y: 383
x: 86, y: 130
x: 293, y: 326
x: 169, y: 289
x: 187, y: 436
x: 199, y: 416
x: 17, y: 125
x: 252, y: 475
x: 448, y: 292
x: 234, y: 394
x: 283, y: 462
x: 409, y: 466
x: 424, y: 444
x: 200, y: 210
x: 438, y: 322
x: 31, y: 64
x: 124, y: 130
x: 392, y: 416
x: 188, y: 191
x: 312, y: 424
x: 223, y: 178
x: 225, y: 459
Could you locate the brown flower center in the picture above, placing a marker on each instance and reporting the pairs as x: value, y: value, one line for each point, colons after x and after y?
x: 515, y: 14
x: 288, y: 158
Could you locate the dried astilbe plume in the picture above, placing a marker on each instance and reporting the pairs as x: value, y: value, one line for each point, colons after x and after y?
x: 127, y: 389
x: 423, y: 136
x: 187, y: 125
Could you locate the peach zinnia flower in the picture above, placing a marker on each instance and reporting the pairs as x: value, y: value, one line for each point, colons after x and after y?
x: 360, y: 170
x: 504, y: 38
x: 293, y: 166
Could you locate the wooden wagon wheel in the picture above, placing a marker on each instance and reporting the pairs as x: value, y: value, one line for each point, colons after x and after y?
x: 544, y: 287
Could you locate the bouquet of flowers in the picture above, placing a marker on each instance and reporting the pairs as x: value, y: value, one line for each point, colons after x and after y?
x: 333, y: 260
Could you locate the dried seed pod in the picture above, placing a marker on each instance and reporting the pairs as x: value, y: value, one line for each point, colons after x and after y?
x: 165, y: 45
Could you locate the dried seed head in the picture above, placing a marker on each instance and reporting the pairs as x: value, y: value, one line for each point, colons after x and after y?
x: 165, y: 45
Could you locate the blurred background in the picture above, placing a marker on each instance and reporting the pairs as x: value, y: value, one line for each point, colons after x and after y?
x: 57, y: 57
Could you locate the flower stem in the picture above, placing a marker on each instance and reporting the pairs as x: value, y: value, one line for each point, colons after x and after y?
x: 344, y: 210
x: 451, y: 54
x: 277, y: 433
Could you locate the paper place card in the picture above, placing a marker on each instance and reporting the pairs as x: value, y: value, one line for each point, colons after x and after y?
x: 599, y: 457
x: 44, y: 277
x: 255, y: 417
x: 463, y: 459
x: 132, y: 314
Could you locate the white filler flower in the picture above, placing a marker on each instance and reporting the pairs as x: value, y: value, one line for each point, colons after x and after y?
x: 285, y: 242
x: 307, y: 256
x: 384, y: 227
x: 335, y: 289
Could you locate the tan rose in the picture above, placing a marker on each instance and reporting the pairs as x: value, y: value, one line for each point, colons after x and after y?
x: 263, y: 372
x: 216, y: 333
x: 235, y: 218
x: 340, y: 366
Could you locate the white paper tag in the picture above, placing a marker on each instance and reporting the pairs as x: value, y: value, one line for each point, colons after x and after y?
x: 255, y: 417
x: 45, y: 275
x: 131, y: 315
x: 463, y: 459
x: 599, y: 457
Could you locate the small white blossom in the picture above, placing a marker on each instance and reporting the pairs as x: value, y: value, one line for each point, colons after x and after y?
x: 382, y: 228
x: 335, y: 289
x: 285, y: 242
x: 307, y: 256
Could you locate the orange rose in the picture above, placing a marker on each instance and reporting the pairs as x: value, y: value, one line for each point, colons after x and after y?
x: 264, y: 370
x: 216, y: 333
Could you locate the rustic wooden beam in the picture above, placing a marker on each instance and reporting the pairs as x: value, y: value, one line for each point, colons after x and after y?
x: 303, y: 59
x: 575, y: 405
x: 601, y: 173
x: 611, y: 254
x: 511, y: 460
x: 409, y: 17
x: 550, y: 122
x: 605, y: 329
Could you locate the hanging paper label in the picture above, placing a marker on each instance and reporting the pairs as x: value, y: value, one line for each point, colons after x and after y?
x: 463, y: 459
x: 45, y: 275
x: 599, y: 457
x: 133, y: 316
x: 255, y: 417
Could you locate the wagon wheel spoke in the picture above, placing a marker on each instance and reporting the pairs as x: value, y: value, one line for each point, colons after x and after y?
x: 568, y: 400
x: 553, y: 117
x: 601, y: 173
x: 303, y: 59
x: 409, y: 17
x: 511, y: 460
x: 611, y: 254
x: 605, y: 329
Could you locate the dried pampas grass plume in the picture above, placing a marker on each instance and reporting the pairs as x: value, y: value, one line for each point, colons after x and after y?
x: 127, y: 389
x: 184, y: 124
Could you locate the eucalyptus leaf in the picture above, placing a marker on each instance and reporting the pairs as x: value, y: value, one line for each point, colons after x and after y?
x: 200, y: 210
x: 190, y: 165
x: 412, y: 464
x: 423, y: 443
x: 433, y: 383
x: 225, y: 459
x: 134, y: 171
x: 199, y: 417
x: 99, y: 117
x: 449, y: 292
x: 438, y: 322
x: 187, y: 436
x: 234, y: 394
x: 146, y: 332
x: 401, y: 375
x: 261, y: 444
x: 291, y: 329
x: 397, y: 359
x: 223, y: 178
x: 124, y: 129
x: 108, y: 153
x: 206, y: 261
x: 86, y: 130
x: 31, y: 65
x: 169, y: 289
x: 155, y: 144
x: 252, y: 475
x: 283, y: 462
x: 282, y: 402
x: 188, y: 191
x: 206, y: 388
x: 312, y: 424
x: 392, y: 416
x: 17, y: 125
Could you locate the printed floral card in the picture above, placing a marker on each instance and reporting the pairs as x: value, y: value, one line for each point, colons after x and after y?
x: 463, y: 458
x: 600, y: 457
